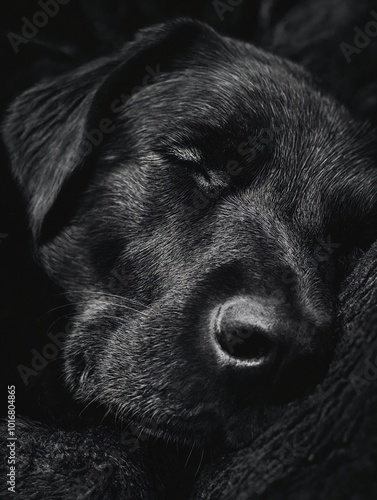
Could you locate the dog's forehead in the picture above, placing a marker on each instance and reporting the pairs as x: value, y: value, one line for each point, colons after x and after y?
x: 205, y: 117
x: 216, y: 85
x: 223, y: 100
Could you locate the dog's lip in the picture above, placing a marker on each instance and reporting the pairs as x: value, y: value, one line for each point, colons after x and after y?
x: 200, y: 427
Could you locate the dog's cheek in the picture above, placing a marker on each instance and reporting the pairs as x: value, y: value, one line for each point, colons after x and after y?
x: 80, y: 366
x: 66, y: 259
x: 90, y: 335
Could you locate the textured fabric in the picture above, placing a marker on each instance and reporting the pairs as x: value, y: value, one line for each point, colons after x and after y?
x: 56, y: 464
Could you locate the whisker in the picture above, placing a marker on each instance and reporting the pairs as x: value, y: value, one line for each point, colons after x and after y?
x: 56, y: 308
x: 105, y: 415
x: 91, y: 401
x: 113, y: 317
x: 78, y: 303
x: 200, y: 463
x: 189, y: 455
x: 106, y: 294
x: 123, y: 306
x: 58, y: 319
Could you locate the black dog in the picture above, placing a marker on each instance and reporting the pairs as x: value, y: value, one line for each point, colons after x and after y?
x: 200, y: 201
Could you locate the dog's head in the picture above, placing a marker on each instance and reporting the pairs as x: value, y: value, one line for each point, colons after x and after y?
x: 199, y: 199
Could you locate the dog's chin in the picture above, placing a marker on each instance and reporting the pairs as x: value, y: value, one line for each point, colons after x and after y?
x: 198, y: 432
x: 205, y: 430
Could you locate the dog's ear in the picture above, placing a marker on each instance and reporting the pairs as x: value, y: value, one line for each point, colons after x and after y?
x: 48, y: 129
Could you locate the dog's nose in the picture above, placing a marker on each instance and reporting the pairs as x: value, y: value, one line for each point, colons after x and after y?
x: 274, y: 342
x: 243, y: 332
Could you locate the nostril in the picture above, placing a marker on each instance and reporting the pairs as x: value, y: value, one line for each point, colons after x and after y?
x: 245, y: 342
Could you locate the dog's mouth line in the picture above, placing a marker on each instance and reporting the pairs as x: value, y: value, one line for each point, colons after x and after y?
x: 182, y: 433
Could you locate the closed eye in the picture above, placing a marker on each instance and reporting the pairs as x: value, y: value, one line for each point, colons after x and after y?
x: 190, y: 161
x: 208, y: 179
x: 194, y: 163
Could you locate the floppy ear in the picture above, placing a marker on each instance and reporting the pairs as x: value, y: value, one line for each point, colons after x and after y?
x: 48, y: 128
